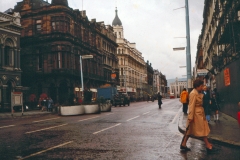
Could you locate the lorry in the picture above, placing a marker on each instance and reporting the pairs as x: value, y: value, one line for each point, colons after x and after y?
x: 110, y: 93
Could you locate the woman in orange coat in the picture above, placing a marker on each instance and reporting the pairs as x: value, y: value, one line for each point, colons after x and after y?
x: 197, y: 122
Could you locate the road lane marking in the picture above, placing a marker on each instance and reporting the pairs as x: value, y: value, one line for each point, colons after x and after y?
x: 107, y: 128
x: 88, y: 119
x: 7, y: 126
x: 34, y: 154
x: 46, y: 128
x: 174, y: 119
x: 146, y: 113
x: 109, y: 114
x: 45, y: 120
x: 132, y: 118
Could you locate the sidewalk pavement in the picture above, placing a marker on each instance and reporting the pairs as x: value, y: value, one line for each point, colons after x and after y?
x: 35, y: 113
x: 225, y: 131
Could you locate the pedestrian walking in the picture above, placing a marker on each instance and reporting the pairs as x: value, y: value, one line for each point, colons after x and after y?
x: 184, y: 100
x: 50, y: 104
x: 215, y: 107
x: 44, y: 104
x: 148, y: 98
x: 216, y: 94
x: 159, y: 97
x: 196, y: 125
x: 238, y: 114
x: 206, y: 102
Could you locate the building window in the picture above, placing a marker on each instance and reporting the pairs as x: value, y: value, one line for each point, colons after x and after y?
x: 61, y: 23
x: 38, y: 26
x: 8, y: 59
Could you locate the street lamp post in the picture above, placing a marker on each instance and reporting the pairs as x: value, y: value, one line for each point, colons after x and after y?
x: 81, y: 58
x: 188, y: 52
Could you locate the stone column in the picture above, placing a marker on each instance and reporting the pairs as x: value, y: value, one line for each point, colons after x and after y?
x: 4, y: 94
x: 3, y: 56
x: 18, y: 60
x: 0, y: 56
x: 15, y: 59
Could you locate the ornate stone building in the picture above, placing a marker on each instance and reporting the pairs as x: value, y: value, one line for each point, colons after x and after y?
x: 132, y: 68
x: 10, y: 70
x: 53, y: 38
x: 219, y: 50
x: 149, y: 86
x: 177, y: 86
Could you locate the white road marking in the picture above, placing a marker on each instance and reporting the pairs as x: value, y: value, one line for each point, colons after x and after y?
x: 87, y: 119
x: 107, y: 128
x: 174, y: 119
x: 109, y: 114
x: 45, y: 120
x: 132, y: 118
x: 46, y: 128
x: 7, y: 126
x: 146, y: 113
x: 34, y: 154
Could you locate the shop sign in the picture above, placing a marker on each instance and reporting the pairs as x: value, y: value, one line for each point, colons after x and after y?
x: 202, y: 72
x: 113, y: 75
x: 227, y: 77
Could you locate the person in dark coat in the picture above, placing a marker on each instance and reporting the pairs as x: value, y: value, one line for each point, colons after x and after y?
x: 206, y: 102
x: 159, y: 100
x: 215, y: 107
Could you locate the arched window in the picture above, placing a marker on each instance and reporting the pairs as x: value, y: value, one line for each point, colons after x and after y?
x: 8, y: 52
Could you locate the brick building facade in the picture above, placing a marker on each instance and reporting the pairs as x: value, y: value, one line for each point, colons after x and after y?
x: 53, y: 38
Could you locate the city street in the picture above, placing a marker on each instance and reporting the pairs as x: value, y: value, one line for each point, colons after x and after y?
x: 139, y: 131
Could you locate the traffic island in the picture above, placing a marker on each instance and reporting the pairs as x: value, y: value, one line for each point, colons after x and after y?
x: 106, y: 107
x: 91, y: 108
x: 72, y: 110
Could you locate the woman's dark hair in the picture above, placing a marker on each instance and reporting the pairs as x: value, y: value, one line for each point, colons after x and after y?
x: 184, y: 89
x: 197, y: 83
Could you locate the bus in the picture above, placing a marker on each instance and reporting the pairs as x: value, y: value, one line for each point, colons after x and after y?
x: 172, y: 95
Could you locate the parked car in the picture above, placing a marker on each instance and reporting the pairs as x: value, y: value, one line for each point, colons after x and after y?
x: 126, y: 99
x: 121, y: 99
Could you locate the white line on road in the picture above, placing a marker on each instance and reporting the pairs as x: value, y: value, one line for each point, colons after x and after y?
x: 132, y: 118
x: 146, y: 113
x: 174, y: 119
x: 107, y: 128
x: 45, y: 120
x: 46, y: 128
x: 87, y: 119
x: 109, y: 114
x: 34, y: 154
x: 7, y: 126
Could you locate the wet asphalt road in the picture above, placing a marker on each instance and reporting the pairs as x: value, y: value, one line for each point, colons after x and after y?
x: 140, y: 131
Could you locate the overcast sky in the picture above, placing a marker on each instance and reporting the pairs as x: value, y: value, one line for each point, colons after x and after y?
x: 151, y: 24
